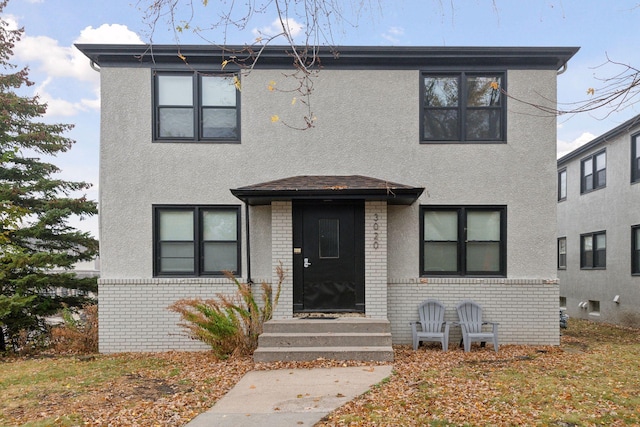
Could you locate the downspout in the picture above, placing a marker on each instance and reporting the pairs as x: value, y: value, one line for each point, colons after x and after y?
x: 563, y: 69
x: 93, y: 66
x: 246, y: 225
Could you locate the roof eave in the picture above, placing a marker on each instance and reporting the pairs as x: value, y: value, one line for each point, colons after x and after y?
x: 340, y: 56
x: 401, y: 196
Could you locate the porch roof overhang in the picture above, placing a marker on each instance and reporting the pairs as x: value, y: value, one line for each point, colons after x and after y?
x: 328, y: 187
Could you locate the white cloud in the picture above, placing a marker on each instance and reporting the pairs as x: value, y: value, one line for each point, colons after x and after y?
x: 293, y: 28
x: 393, y: 34
x: 62, y: 61
x: 11, y: 20
x: 109, y: 33
x: 58, y: 107
x: 565, y: 147
x: 44, y: 54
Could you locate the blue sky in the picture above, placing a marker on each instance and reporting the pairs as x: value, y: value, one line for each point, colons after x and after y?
x: 65, y: 81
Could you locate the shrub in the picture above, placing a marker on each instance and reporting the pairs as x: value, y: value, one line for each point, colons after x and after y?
x: 79, y: 336
x: 230, y: 325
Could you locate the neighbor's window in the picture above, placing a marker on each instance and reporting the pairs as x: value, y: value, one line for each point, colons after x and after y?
x: 562, y: 253
x: 196, y: 107
x: 562, y: 185
x: 196, y: 240
x: 635, y: 249
x: 463, y: 241
x: 593, y: 250
x: 635, y: 158
x: 594, y: 172
x: 463, y: 107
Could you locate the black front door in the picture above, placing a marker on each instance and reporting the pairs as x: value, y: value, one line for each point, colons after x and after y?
x: 328, y: 257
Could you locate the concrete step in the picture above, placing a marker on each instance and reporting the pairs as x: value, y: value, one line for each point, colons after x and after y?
x: 340, y: 338
x: 275, y: 354
x: 340, y: 324
x: 320, y: 339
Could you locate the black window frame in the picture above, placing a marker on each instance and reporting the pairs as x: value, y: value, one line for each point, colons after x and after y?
x: 597, y: 259
x: 197, y: 108
x: 597, y: 181
x: 635, y: 158
x: 635, y: 250
x: 198, y: 240
x: 461, y: 270
x: 562, y: 257
x: 462, y: 107
x: 562, y: 195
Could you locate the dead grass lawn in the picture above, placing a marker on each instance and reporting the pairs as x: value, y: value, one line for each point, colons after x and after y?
x: 593, y: 378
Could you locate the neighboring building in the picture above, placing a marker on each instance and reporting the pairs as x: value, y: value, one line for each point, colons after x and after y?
x: 599, y: 227
x: 421, y: 179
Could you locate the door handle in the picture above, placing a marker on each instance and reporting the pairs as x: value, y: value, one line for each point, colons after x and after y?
x: 306, y: 263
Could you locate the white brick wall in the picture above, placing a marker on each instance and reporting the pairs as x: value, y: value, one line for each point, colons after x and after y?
x: 375, y: 259
x: 282, y: 251
x: 133, y: 313
x: 527, y: 310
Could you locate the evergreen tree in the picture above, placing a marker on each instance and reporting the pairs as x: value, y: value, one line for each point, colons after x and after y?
x: 37, y: 246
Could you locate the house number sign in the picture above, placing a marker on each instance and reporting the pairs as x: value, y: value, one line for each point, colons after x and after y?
x: 376, y: 235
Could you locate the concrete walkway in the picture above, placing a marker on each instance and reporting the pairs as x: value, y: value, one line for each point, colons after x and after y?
x: 289, y: 397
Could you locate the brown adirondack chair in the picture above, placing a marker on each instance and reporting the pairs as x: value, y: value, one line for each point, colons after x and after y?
x: 431, y: 324
x: 470, y: 320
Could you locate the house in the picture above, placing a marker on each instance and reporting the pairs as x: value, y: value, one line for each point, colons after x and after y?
x: 599, y: 227
x: 424, y: 176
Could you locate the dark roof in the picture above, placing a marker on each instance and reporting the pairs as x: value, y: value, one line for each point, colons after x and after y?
x: 602, y: 139
x: 338, y: 187
x: 402, y: 57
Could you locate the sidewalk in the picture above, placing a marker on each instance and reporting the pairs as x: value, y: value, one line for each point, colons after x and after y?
x: 289, y: 397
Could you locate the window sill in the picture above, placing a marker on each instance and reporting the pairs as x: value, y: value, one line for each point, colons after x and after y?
x: 591, y: 191
x: 426, y: 142
x: 193, y: 141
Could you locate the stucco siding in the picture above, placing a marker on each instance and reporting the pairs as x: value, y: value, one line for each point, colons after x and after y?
x: 613, y: 209
x: 516, y: 174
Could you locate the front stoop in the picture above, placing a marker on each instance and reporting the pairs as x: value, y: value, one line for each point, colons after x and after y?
x: 342, y: 338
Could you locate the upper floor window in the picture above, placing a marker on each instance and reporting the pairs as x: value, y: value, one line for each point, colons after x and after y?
x: 463, y: 241
x: 593, y: 250
x: 196, y: 107
x: 635, y: 158
x: 562, y: 184
x: 196, y: 240
x: 562, y: 253
x: 635, y: 249
x: 461, y: 107
x: 594, y: 172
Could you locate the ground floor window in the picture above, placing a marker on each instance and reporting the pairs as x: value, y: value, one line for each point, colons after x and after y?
x: 635, y: 249
x: 562, y: 253
x: 463, y: 241
x: 593, y: 250
x: 196, y: 240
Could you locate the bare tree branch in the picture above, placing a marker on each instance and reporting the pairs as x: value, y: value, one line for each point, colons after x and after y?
x: 616, y: 93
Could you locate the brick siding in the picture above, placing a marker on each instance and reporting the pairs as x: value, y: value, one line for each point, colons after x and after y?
x: 133, y: 314
x: 527, y: 310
